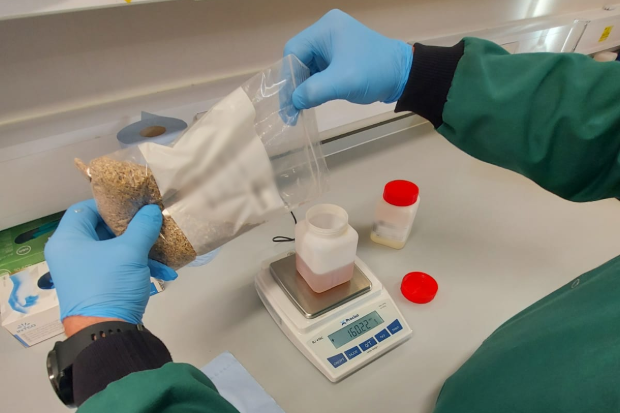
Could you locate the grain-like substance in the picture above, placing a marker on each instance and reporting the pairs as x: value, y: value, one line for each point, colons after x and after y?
x: 120, y: 189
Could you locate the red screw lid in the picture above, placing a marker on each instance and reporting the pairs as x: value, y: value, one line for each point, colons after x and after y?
x: 401, y: 193
x: 419, y: 287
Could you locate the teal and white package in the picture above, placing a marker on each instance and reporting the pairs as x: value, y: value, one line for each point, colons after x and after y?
x: 29, y: 305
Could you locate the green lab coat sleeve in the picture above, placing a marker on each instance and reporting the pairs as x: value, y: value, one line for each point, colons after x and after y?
x: 554, y: 118
x: 174, y: 387
x: 560, y: 355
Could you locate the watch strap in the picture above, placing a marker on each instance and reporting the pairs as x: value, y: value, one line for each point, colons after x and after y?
x: 111, y: 359
x: 68, y: 350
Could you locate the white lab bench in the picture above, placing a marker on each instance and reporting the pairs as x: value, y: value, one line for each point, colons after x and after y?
x: 494, y: 241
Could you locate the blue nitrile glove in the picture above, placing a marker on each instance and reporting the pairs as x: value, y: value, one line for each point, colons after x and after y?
x: 349, y: 61
x: 97, y: 275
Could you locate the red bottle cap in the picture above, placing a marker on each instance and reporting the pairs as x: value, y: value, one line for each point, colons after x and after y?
x: 419, y: 287
x: 401, y: 193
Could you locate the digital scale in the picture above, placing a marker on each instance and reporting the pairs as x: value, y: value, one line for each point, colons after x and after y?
x: 340, y: 330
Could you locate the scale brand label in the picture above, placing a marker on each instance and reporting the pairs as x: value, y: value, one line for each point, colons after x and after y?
x: 346, y: 320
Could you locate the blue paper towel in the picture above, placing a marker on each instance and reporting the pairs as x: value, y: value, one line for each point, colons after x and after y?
x: 236, y: 385
x: 204, y: 259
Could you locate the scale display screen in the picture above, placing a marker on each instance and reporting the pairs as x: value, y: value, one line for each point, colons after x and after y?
x: 355, y: 329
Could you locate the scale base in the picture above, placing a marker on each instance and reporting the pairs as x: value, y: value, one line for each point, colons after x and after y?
x: 314, y: 337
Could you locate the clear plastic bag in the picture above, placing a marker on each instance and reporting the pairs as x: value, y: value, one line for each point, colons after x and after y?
x: 249, y: 158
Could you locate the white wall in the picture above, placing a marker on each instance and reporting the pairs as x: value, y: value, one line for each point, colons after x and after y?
x: 56, y: 63
x: 93, y: 71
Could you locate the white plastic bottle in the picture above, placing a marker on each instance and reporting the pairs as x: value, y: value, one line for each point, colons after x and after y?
x: 326, y: 246
x: 395, y: 213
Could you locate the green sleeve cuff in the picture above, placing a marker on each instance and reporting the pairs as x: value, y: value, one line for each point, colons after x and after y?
x: 430, y: 80
x: 174, y: 387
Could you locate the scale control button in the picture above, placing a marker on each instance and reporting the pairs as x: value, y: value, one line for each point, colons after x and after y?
x: 337, y: 360
x: 382, y: 335
x: 368, y: 344
x: 395, y: 327
x: 352, y: 352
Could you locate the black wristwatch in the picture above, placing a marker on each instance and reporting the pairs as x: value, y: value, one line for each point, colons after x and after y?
x: 60, y: 359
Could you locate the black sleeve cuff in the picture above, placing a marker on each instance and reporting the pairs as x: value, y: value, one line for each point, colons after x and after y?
x: 429, y: 81
x: 114, y: 357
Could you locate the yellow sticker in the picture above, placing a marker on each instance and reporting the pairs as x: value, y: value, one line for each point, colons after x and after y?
x: 605, y: 34
x: 128, y: 1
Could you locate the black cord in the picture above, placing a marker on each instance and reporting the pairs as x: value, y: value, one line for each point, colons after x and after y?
x: 282, y: 238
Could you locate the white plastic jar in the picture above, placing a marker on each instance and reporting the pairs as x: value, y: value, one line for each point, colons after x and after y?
x: 395, y: 214
x: 326, y: 247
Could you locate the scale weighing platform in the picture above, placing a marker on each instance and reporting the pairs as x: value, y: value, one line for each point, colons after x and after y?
x: 339, y: 331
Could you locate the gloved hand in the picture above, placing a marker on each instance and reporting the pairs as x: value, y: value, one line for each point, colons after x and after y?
x: 98, y: 275
x: 349, y: 61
